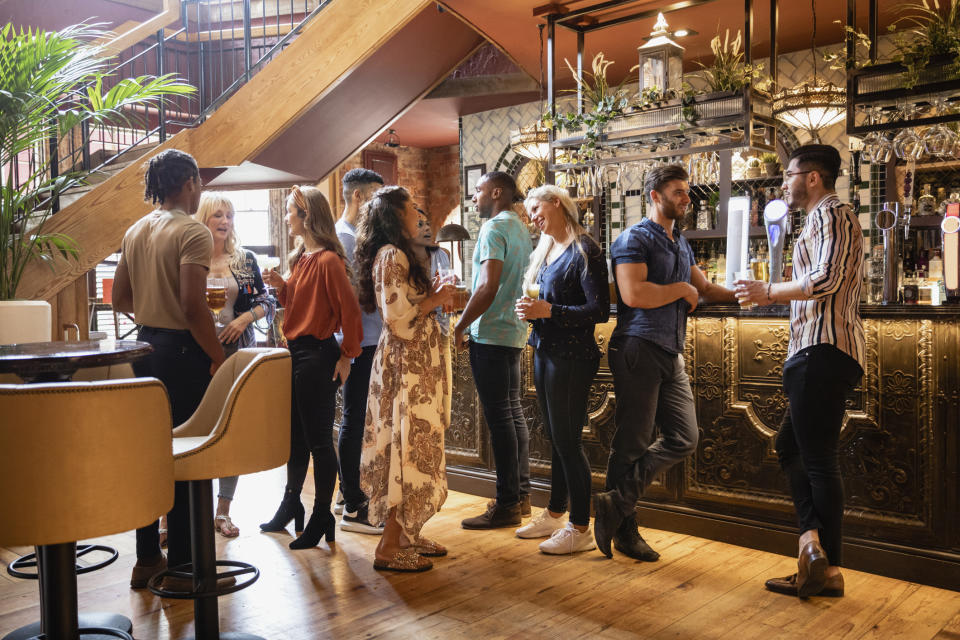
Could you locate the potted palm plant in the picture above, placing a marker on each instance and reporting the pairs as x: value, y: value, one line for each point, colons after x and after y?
x: 51, y: 83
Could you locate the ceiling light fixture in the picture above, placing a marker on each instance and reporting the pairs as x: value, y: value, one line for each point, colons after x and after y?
x: 392, y: 140
x: 811, y: 106
x: 533, y: 140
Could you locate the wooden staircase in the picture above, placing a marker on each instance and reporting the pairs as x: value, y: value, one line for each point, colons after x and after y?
x: 352, y: 71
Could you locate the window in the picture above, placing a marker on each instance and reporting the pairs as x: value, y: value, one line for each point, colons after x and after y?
x: 252, y: 218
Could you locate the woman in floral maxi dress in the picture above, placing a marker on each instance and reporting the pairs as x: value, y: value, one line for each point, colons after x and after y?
x: 402, y: 466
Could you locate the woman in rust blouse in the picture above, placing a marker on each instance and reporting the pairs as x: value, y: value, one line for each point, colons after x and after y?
x: 318, y: 299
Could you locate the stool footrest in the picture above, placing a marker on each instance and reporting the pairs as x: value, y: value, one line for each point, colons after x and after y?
x: 185, y: 571
x: 29, y: 561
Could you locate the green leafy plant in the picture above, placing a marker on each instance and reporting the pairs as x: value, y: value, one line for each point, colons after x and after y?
x: 754, y: 162
x: 602, y: 103
x: 769, y: 158
x: 929, y: 33
x: 729, y: 72
x: 838, y: 60
x: 50, y: 84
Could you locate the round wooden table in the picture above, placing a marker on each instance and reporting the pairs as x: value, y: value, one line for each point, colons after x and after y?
x: 56, y: 563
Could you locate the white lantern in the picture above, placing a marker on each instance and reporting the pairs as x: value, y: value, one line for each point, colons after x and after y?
x: 661, y: 60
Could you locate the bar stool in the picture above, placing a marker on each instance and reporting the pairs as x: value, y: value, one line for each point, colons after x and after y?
x: 234, y: 431
x: 84, y: 459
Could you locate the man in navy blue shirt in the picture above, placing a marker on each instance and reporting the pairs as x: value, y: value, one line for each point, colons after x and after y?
x: 658, y: 284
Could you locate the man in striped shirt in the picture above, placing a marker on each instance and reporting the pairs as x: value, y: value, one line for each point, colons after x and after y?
x: 823, y: 363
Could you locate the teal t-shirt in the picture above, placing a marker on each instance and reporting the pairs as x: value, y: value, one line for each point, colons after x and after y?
x: 503, y: 238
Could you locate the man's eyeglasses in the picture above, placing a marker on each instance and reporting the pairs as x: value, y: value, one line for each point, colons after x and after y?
x: 789, y: 174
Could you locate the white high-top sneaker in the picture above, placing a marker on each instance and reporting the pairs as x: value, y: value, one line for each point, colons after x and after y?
x: 568, y: 540
x: 540, y: 527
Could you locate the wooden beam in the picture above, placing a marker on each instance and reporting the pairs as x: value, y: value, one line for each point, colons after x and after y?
x: 552, y: 8
x: 484, y: 86
x: 321, y: 57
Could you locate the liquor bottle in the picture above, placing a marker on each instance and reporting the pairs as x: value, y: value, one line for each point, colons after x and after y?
x: 703, y: 216
x: 935, y: 266
x: 941, y: 200
x: 712, y: 266
x: 926, y: 203
x: 722, y: 268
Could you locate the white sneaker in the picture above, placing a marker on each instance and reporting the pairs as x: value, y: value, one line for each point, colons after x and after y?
x: 568, y: 540
x: 338, y: 506
x: 540, y: 527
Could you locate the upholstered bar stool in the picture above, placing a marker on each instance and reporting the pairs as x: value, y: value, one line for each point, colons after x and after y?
x: 81, y: 460
x: 25, y: 567
x: 236, y: 430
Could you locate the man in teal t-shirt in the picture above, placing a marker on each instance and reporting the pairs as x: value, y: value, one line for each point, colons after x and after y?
x: 496, y: 339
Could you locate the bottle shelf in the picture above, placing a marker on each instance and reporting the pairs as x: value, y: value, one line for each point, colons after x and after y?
x: 717, y: 234
x: 925, y: 222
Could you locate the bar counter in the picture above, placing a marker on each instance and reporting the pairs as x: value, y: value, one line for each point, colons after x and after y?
x: 899, y: 443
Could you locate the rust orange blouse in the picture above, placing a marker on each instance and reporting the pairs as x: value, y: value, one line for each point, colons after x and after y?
x: 318, y: 299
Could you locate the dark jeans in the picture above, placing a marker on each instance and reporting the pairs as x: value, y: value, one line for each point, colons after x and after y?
x: 563, y: 387
x: 353, y: 419
x: 817, y: 381
x: 652, y: 389
x: 184, y: 369
x: 312, y: 410
x: 496, y: 373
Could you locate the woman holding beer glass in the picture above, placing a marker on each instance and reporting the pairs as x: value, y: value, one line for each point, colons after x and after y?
x: 238, y: 298
x: 402, y: 464
x: 319, y: 299
x: 566, y: 296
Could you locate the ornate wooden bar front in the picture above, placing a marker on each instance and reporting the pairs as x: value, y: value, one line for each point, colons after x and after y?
x: 899, y: 451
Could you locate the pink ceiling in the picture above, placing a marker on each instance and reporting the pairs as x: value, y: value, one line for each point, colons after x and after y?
x: 56, y: 14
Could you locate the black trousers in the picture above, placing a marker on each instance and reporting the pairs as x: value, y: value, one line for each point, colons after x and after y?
x: 353, y: 419
x: 312, y: 411
x: 817, y: 381
x: 496, y: 372
x: 563, y: 387
x: 184, y: 369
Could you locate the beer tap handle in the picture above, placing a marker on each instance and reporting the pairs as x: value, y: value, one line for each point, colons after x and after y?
x: 908, y: 175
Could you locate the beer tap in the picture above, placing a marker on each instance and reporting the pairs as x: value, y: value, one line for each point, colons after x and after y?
x: 908, y: 174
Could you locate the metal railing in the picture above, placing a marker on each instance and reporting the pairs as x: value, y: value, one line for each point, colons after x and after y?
x: 217, y: 46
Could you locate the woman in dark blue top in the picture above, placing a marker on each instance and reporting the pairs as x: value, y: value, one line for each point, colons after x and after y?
x: 567, y: 295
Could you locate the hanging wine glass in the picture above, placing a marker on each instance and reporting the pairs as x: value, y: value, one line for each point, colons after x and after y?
x: 939, y: 139
x: 907, y: 144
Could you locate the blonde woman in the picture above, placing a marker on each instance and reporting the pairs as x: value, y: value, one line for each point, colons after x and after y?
x: 570, y: 269
x: 247, y: 302
x: 319, y: 300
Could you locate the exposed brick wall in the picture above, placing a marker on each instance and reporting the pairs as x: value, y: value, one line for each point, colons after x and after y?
x: 432, y: 176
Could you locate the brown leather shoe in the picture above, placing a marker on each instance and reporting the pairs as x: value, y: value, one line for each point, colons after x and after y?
x: 143, y: 571
x: 811, y: 570
x: 185, y: 585
x: 832, y: 588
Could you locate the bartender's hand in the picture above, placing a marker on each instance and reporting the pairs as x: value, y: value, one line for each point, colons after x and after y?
x: 532, y: 309
x: 752, y: 292
x: 342, y: 369
x: 272, y: 278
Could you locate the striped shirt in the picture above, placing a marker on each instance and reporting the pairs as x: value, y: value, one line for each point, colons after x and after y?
x: 828, y: 263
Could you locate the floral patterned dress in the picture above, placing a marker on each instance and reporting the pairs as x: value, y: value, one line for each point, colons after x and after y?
x: 402, y: 464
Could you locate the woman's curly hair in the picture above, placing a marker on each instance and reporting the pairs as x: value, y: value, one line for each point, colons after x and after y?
x: 381, y: 223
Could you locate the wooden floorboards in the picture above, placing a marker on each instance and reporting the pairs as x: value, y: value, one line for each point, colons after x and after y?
x: 494, y: 585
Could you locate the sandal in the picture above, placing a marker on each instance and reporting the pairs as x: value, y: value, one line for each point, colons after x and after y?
x: 225, y: 527
x: 429, y: 548
x: 406, y: 560
x: 163, y: 532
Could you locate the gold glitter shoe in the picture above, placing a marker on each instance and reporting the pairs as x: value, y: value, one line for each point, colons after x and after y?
x: 429, y: 548
x: 406, y: 560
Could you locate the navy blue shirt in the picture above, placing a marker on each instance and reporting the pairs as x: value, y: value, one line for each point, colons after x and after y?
x: 579, y: 299
x: 668, y: 261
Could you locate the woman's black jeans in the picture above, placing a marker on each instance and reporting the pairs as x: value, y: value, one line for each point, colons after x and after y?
x: 184, y: 369
x: 817, y: 381
x: 563, y: 387
x: 312, y: 410
x: 496, y: 373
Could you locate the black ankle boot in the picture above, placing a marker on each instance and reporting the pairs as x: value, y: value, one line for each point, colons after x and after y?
x: 290, y: 509
x: 628, y: 541
x: 321, y: 523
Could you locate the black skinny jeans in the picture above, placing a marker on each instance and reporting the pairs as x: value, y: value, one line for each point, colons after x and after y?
x: 184, y: 369
x: 352, y: 422
x: 496, y: 373
x: 817, y: 381
x: 312, y: 410
x: 563, y: 386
